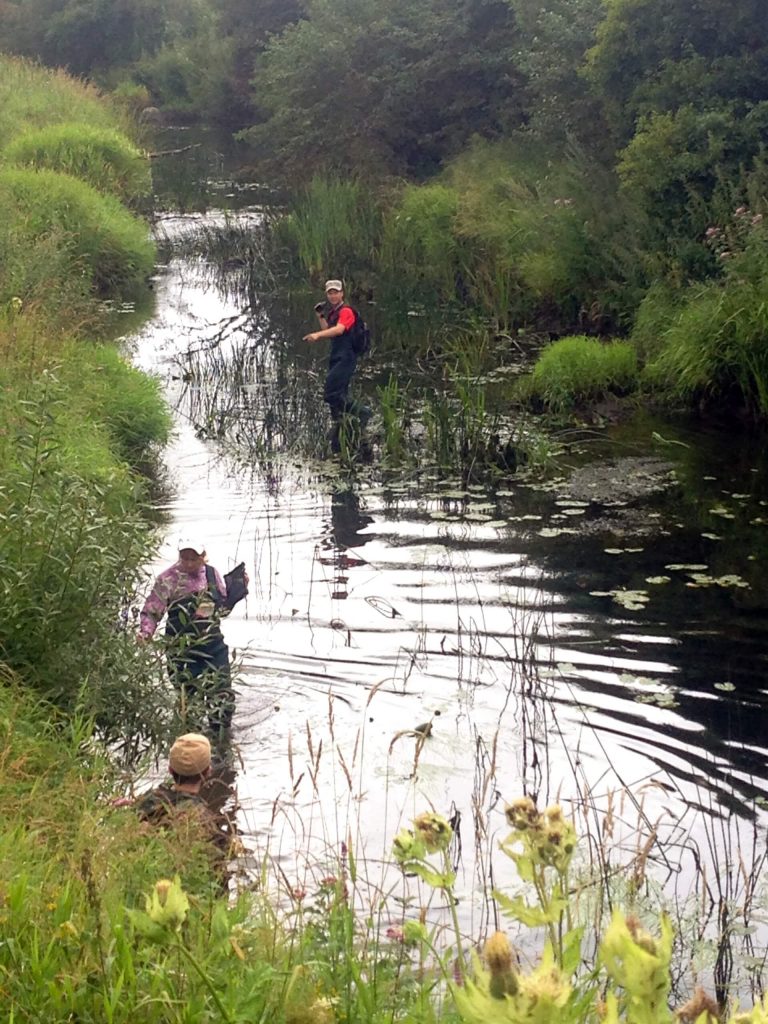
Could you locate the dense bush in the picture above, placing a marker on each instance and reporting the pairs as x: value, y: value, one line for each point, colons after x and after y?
x: 101, y: 239
x: 72, y: 535
x: 579, y: 369
x: 420, y: 252
x: 101, y: 157
x: 714, y: 343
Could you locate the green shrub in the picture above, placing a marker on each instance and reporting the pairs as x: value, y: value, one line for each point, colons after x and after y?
x: 103, y: 241
x: 715, y: 343
x: 420, y: 249
x: 99, y: 156
x: 131, y: 97
x: 580, y: 369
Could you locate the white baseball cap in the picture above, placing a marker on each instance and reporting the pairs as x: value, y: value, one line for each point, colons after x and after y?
x: 188, y: 544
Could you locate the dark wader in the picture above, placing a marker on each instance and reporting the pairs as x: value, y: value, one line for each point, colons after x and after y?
x: 342, y: 363
x: 198, y: 658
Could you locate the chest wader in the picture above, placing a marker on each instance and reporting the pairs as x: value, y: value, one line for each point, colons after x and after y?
x: 198, y: 658
x: 342, y: 363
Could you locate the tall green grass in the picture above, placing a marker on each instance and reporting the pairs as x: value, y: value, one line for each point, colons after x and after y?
x: 99, y: 238
x: 580, y: 369
x: 333, y: 226
x: 32, y: 96
x: 102, y: 157
x: 712, y: 339
x: 420, y: 251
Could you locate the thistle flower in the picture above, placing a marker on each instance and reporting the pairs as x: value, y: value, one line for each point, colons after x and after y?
x: 434, y: 831
x: 522, y: 813
x: 414, y: 933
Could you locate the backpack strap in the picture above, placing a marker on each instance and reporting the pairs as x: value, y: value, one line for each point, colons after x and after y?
x: 213, y: 588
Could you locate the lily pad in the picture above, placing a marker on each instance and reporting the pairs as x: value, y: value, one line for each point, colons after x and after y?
x: 632, y: 600
x: 658, y: 579
x: 685, y: 568
x: 727, y: 687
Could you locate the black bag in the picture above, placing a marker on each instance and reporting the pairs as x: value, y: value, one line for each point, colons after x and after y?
x: 237, y: 588
x: 360, y: 335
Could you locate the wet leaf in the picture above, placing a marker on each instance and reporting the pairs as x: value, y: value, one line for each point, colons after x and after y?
x: 614, y: 551
x: 727, y: 687
x: 731, y: 581
x: 632, y: 600
x: 712, y: 536
x: 689, y: 568
x: 658, y: 579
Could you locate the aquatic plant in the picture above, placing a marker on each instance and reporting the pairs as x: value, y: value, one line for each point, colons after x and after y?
x: 334, y: 226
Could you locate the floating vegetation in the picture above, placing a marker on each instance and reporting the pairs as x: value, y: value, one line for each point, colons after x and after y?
x: 658, y: 579
x: 675, y: 567
x: 622, y: 551
x: 729, y: 580
x: 632, y: 600
x: 726, y: 687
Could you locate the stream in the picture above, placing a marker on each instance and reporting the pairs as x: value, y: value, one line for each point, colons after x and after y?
x: 596, y: 637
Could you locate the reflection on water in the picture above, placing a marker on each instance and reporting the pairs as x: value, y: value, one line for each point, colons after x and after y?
x: 604, y: 650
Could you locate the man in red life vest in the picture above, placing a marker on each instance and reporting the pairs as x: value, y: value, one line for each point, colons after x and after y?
x: 337, y: 320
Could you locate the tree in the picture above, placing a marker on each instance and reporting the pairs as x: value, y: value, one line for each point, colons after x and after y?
x: 654, y: 56
x: 386, y: 89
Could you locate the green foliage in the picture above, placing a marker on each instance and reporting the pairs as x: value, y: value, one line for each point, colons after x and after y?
x: 33, y: 97
x: 129, y: 403
x: 652, y: 56
x: 457, y: 58
x: 678, y: 161
x: 581, y: 369
x: 71, y: 541
x: 104, y: 242
x: 420, y: 251
x: 82, y: 35
x: 103, y: 158
x: 333, y: 226
x: 713, y: 343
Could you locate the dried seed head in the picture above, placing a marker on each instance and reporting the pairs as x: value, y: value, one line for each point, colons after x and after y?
x: 700, y: 1002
